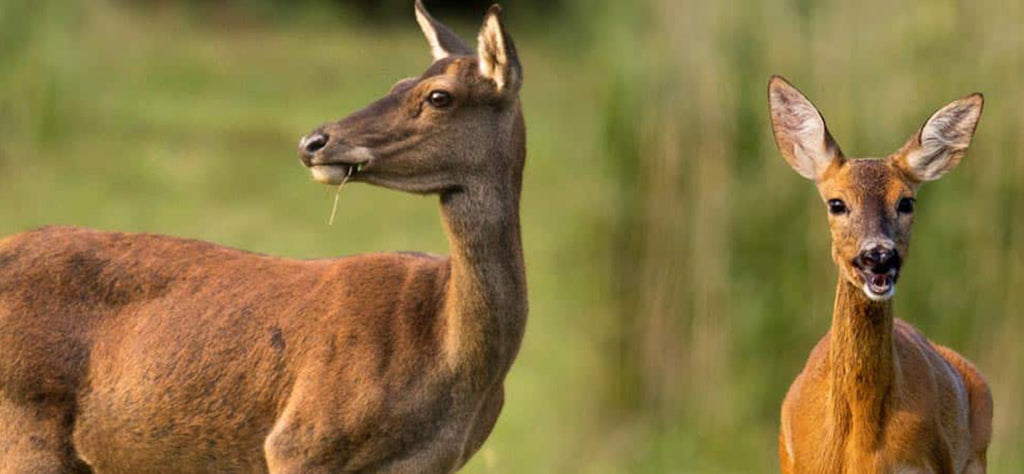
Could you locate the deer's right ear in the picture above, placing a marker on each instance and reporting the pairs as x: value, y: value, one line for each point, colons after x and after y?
x: 496, y: 54
x: 443, y: 42
x: 800, y: 131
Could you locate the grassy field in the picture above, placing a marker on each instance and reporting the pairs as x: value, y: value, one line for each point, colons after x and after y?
x: 678, y: 269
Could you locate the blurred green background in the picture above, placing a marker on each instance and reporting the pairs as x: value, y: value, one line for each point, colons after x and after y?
x: 679, y: 270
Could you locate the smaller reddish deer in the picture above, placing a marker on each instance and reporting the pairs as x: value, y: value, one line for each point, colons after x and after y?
x: 150, y: 354
x: 876, y: 396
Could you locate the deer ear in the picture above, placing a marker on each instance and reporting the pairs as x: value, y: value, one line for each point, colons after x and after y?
x: 800, y: 131
x: 497, y: 54
x: 443, y: 42
x: 943, y: 140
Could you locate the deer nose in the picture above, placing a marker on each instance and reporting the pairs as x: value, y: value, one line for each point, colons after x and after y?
x: 310, y: 144
x: 877, y: 258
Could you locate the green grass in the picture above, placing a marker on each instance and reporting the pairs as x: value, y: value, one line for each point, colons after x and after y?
x: 678, y: 269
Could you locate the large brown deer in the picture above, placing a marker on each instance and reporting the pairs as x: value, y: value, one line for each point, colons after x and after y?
x: 150, y: 354
x: 876, y: 396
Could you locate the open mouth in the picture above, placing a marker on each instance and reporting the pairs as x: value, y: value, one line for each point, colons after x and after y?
x: 879, y: 286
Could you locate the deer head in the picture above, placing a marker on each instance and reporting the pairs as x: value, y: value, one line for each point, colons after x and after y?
x: 870, y: 201
x: 437, y: 132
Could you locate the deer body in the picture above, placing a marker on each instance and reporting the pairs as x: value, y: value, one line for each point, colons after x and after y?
x: 876, y: 396
x: 137, y: 353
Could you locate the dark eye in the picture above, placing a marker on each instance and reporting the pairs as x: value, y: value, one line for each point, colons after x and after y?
x: 836, y: 206
x: 905, y: 206
x: 439, y: 99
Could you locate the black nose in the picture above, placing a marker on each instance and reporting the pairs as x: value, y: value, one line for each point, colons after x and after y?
x: 878, y: 258
x: 314, y: 143
x: 311, y: 144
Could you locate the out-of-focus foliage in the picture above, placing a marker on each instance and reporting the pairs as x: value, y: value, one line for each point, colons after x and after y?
x: 678, y: 269
x: 464, y: 9
x: 377, y: 11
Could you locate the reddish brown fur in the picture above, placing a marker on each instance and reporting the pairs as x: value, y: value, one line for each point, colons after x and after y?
x: 136, y: 353
x: 875, y: 394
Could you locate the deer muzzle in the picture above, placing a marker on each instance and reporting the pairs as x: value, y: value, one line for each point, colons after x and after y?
x: 330, y: 160
x: 879, y: 266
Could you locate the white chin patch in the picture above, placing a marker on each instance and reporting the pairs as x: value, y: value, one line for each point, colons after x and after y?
x: 879, y: 297
x: 329, y: 174
x: 335, y: 174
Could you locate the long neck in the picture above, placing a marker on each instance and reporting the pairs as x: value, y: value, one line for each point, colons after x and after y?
x: 485, y: 308
x: 862, y: 367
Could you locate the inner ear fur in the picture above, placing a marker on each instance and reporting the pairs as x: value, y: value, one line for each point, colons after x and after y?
x: 800, y: 131
x: 443, y: 42
x: 942, y: 141
x: 496, y: 54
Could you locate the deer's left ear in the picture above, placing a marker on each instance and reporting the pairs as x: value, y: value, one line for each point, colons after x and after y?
x: 497, y: 55
x: 942, y: 141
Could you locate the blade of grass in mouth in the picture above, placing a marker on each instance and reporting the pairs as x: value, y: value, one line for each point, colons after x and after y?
x: 334, y: 209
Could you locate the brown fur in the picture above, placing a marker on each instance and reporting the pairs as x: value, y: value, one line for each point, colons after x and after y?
x: 137, y: 353
x: 875, y: 394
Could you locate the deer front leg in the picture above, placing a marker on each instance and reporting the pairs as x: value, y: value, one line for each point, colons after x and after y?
x: 35, y: 438
x: 289, y: 451
x: 292, y: 446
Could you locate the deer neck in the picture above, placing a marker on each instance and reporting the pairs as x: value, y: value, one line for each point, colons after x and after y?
x: 485, y: 306
x: 861, y: 363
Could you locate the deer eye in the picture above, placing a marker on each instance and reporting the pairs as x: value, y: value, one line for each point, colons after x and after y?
x: 439, y: 99
x: 836, y: 207
x: 905, y: 206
